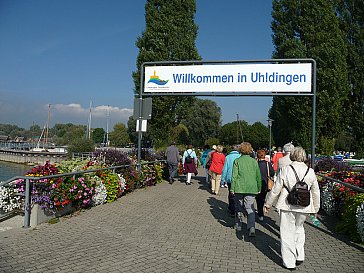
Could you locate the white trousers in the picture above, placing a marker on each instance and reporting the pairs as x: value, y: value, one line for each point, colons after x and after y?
x: 188, y: 177
x: 292, y: 235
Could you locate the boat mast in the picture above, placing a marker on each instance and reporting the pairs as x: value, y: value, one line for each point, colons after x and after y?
x: 237, y: 131
x: 47, y: 124
x: 107, y: 125
x: 89, y: 123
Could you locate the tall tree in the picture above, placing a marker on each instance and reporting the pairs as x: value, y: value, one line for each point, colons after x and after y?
x: 169, y: 35
x: 203, y: 121
x: 351, y: 14
x: 98, y: 135
x: 259, y: 134
x: 310, y: 29
x: 234, y: 132
x: 119, y: 136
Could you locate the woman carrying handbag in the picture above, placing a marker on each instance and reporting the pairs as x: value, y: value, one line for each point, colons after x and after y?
x: 267, y: 173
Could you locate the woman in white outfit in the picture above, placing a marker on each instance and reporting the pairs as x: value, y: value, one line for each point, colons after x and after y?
x: 292, y: 233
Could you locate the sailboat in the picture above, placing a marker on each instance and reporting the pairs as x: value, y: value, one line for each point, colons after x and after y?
x: 44, y: 134
x: 46, y: 146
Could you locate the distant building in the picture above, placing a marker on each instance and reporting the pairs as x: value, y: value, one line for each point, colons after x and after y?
x: 4, y: 138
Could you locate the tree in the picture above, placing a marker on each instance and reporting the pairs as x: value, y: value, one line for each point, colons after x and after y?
x: 259, y: 135
x: 203, y: 121
x: 81, y: 145
x: 351, y: 14
x: 69, y: 133
x: 234, y: 132
x: 238, y: 131
x: 310, y: 29
x: 169, y: 35
x: 119, y: 136
x: 97, y: 135
x: 180, y: 134
x: 11, y: 130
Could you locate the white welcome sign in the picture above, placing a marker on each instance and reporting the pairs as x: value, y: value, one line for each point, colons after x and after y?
x: 259, y: 77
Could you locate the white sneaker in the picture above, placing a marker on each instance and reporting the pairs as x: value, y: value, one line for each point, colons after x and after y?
x: 252, y: 232
x: 238, y: 227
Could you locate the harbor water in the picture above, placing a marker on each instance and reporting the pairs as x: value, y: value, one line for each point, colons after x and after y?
x: 9, y: 170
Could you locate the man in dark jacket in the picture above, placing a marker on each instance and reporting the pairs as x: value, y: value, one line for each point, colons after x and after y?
x: 172, y: 155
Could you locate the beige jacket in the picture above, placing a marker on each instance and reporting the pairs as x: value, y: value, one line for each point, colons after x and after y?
x: 286, y: 176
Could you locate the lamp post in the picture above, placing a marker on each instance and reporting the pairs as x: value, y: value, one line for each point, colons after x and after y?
x: 270, y: 138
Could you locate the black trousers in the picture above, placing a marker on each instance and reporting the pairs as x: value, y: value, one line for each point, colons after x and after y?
x: 231, y: 201
x: 260, y: 198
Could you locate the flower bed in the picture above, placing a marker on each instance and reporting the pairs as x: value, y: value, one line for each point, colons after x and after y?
x: 81, y: 190
x: 342, y: 201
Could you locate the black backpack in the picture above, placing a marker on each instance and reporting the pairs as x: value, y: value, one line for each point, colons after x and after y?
x: 188, y: 158
x: 300, y: 193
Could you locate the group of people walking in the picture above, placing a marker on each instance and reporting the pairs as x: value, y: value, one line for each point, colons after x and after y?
x: 247, y: 179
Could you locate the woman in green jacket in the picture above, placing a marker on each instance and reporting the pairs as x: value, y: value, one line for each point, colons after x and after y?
x: 246, y: 184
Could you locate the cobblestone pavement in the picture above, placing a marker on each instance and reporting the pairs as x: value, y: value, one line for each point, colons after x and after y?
x: 168, y: 228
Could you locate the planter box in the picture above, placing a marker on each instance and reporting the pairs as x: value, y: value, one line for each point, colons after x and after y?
x: 38, y: 215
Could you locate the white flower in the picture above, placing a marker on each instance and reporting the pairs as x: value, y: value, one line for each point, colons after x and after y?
x: 360, y: 221
x: 100, y: 192
x: 122, y: 183
x: 9, y: 200
x: 327, y: 199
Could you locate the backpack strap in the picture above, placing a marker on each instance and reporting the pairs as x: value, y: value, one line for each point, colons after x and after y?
x: 297, y: 179
x: 295, y: 173
x: 286, y: 188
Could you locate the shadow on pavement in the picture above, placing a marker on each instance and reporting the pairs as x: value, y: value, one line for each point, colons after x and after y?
x: 218, y: 209
x: 270, y: 225
x: 330, y: 223
x: 202, y: 183
x: 265, y: 243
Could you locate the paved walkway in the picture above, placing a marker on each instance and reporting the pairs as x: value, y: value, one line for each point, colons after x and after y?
x: 167, y: 228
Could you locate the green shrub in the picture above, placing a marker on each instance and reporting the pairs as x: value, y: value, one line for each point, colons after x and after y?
x: 347, y: 224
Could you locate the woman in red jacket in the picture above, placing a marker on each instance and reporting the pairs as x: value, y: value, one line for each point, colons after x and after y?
x: 217, y: 164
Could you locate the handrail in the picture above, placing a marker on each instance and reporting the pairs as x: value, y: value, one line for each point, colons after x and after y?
x: 341, y: 182
x: 27, y: 193
x: 3, y: 183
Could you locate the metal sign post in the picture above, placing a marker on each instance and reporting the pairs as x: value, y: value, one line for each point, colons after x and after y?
x: 142, y: 112
x: 273, y: 77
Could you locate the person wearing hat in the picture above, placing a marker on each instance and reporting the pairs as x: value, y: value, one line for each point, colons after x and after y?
x: 217, y: 164
x: 172, y: 155
x: 208, y: 163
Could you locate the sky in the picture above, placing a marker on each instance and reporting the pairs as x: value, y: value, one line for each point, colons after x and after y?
x: 70, y: 53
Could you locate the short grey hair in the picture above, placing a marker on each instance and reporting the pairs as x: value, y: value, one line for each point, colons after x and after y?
x: 288, y: 148
x: 298, y: 154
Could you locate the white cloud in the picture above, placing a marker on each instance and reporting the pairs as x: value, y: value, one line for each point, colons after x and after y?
x: 26, y: 112
x: 99, y: 114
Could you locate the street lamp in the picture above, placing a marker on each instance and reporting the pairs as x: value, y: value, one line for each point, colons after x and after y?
x: 270, y: 138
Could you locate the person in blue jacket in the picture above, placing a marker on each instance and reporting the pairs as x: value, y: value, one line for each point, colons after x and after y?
x: 207, y: 150
x: 227, y: 173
